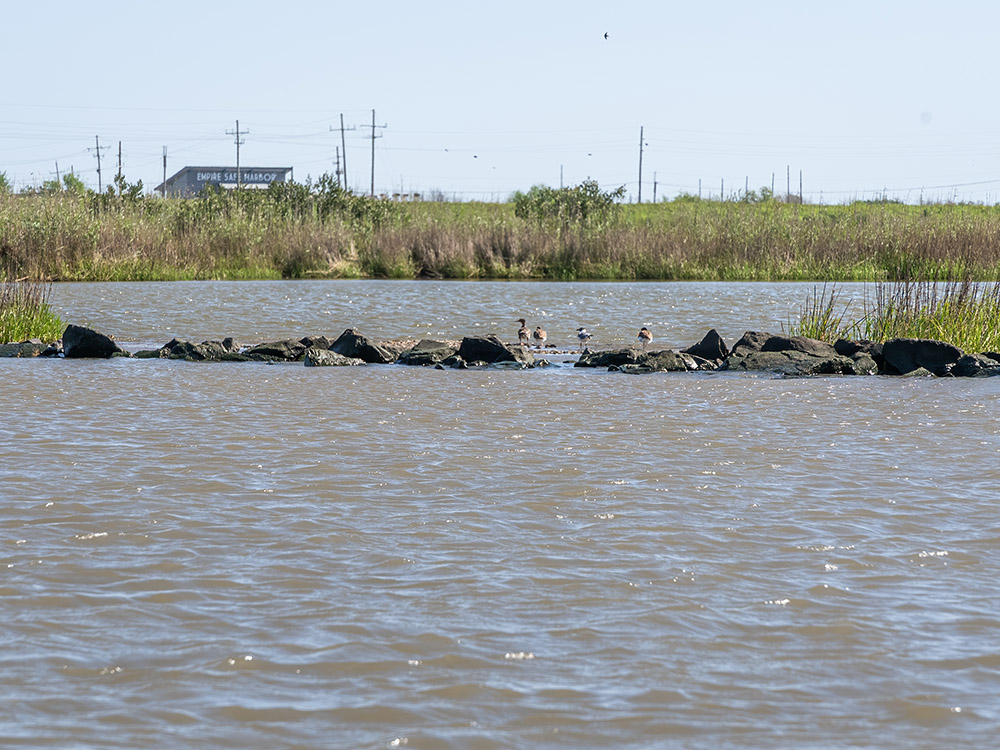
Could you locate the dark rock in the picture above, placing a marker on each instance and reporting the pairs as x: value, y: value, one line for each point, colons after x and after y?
x: 920, y: 372
x: 751, y: 341
x: 85, y: 343
x: 905, y: 355
x: 711, y: 348
x: 814, y: 347
x: 490, y: 349
x: 791, y: 362
x: 288, y: 350
x: 455, y: 363
x: 352, y: 344
x: 316, y: 342
x: 975, y: 365
x: 849, y: 348
x: 427, y: 352
x: 316, y: 357
x: 665, y: 361
x: 611, y: 358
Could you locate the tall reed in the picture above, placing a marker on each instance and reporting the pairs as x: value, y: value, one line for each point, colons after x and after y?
x: 25, y: 313
x: 320, y: 230
x: 965, y: 313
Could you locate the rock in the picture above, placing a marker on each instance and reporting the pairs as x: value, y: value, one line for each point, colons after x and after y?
x: 905, y: 355
x: 31, y: 348
x: 396, y: 347
x: 316, y: 357
x: 315, y: 342
x: 814, y: 347
x: 611, y: 358
x: 791, y: 362
x: 711, y: 348
x: 864, y: 364
x: 427, y: 352
x: 920, y: 372
x: 352, y: 344
x: 286, y: 350
x: 849, y: 348
x: 80, y: 342
x: 490, y: 349
x: 751, y: 341
x: 665, y: 361
x: 975, y: 365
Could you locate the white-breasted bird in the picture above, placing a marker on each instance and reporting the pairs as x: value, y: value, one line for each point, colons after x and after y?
x: 539, y: 335
x: 583, y: 336
x: 644, y: 337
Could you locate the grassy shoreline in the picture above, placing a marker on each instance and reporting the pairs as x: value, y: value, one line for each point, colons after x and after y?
x: 318, y: 231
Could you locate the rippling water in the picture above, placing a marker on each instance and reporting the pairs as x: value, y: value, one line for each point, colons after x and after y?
x: 260, y: 556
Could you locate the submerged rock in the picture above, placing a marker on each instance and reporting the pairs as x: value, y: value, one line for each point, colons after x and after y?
x: 80, y: 342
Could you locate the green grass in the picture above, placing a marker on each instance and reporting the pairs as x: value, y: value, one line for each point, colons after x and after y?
x: 964, y: 313
x: 25, y: 314
x: 320, y: 231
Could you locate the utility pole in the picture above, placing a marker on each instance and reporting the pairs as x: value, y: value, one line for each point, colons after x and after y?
x: 800, y: 186
x: 97, y: 152
x: 239, y: 142
x: 654, y: 187
x: 374, y: 127
x: 640, y: 164
x: 337, y: 171
x: 58, y: 179
x: 343, y: 146
x: 119, y: 163
x: 163, y: 190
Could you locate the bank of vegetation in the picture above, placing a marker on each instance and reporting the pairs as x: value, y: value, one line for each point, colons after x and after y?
x: 318, y: 230
x: 933, y: 267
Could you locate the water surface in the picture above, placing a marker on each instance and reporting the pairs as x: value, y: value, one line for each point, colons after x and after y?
x: 257, y: 556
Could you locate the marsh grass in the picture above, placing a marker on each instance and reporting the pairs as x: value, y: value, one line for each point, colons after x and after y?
x: 25, y: 313
x: 320, y: 231
x: 964, y: 313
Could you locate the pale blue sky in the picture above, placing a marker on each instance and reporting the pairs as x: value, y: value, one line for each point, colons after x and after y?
x: 484, y: 99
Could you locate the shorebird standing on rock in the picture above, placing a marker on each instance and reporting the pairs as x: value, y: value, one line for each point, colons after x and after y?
x: 581, y: 333
x: 539, y: 335
x: 645, y: 337
x: 522, y: 332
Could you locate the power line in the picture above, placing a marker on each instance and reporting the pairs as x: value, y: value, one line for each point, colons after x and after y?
x: 97, y: 153
x: 239, y: 142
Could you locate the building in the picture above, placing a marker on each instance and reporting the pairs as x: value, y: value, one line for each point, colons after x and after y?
x: 189, y: 181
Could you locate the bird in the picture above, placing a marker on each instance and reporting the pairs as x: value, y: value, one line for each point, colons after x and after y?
x: 645, y: 337
x: 605, y: 35
x: 522, y: 332
x: 539, y: 336
x: 581, y: 333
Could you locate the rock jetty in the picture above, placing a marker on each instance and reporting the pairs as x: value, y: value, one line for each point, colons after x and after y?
x: 756, y: 351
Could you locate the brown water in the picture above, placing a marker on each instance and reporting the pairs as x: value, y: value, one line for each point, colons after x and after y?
x: 273, y: 556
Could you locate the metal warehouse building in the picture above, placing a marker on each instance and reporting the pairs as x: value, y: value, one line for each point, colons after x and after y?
x: 189, y: 181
